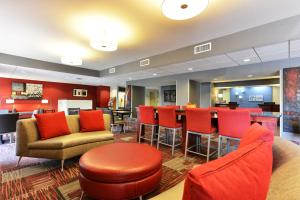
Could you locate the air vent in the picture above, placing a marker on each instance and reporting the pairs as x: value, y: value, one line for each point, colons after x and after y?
x: 112, y: 70
x: 144, y: 62
x: 202, y: 48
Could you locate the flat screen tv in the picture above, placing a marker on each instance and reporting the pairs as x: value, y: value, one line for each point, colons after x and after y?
x: 170, y: 96
x: 27, y: 91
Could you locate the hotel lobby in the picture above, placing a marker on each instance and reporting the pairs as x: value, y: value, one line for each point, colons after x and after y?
x: 150, y: 99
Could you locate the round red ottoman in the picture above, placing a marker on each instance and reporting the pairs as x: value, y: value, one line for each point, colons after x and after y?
x: 120, y: 171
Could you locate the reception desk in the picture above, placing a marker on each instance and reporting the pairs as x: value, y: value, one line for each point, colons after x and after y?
x: 269, y: 107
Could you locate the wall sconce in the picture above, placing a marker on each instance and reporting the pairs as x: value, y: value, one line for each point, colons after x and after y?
x: 240, y: 96
x: 9, y: 101
x: 45, y: 101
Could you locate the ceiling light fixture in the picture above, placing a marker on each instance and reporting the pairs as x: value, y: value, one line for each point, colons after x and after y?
x: 190, y: 69
x: 247, y: 60
x: 104, y: 41
x: 250, y: 75
x: 71, y: 60
x: 154, y: 74
x: 183, y: 9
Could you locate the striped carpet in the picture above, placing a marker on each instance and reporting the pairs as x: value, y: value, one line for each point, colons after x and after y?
x: 42, y: 179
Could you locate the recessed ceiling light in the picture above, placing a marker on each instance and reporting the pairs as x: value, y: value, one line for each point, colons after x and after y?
x: 154, y: 74
x: 247, y: 60
x: 130, y: 78
x: 215, y: 79
x: 71, y: 60
x: 181, y: 10
x: 190, y: 69
x: 250, y: 75
x: 78, y: 78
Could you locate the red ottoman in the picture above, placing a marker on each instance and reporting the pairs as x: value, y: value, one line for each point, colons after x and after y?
x: 120, y: 171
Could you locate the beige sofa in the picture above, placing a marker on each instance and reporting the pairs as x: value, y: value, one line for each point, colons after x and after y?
x: 28, y: 143
x: 285, y: 181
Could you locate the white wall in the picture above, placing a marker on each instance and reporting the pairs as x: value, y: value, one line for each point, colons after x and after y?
x: 276, y: 94
x: 113, y: 91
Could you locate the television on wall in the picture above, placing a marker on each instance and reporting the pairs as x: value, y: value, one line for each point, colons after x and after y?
x: 28, y: 91
x: 170, y: 96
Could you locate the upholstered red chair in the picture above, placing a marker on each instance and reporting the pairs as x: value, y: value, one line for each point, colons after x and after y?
x: 232, y: 126
x: 199, y: 124
x: 167, y: 120
x: 147, y: 118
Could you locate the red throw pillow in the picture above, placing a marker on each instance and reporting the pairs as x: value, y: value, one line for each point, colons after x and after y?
x: 254, y: 133
x: 52, y: 125
x: 91, y: 121
x: 243, y: 174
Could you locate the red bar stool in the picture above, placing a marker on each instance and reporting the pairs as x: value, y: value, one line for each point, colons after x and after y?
x: 199, y: 124
x: 147, y: 118
x: 167, y: 120
x: 232, y: 125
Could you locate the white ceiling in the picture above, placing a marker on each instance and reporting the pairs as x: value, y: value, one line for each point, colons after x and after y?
x: 266, y: 53
x: 47, y: 29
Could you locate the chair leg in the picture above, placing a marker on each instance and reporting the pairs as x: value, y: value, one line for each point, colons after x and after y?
x: 219, y: 146
x: 62, y: 165
x: 208, y: 148
x: 186, y: 144
x: 152, y: 134
x: 81, y: 196
x: 173, y: 142
x: 140, y: 133
x: 158, y: 136
x: 19, y: 161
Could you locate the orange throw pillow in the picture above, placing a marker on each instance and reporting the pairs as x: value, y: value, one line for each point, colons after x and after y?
x: 254, y: 133
x: 91, y: 121
x: 243, y: 174
x: 52, y: 125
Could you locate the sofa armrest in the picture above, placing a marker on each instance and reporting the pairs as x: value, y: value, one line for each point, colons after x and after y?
x: 27, y: 132
x: 106, y: 118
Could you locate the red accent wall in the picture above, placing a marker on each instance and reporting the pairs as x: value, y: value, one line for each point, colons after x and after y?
x: 103, y: 95
x: 51, y: 91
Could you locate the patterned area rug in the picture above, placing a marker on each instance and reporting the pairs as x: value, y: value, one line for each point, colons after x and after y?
x: 42, y: 178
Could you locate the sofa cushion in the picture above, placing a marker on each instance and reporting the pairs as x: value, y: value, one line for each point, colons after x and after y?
x: 286, y: 164
x: 52, y: 125
x: 254, y: 133
x: 242, y: 174
x: 71, y: 140
x: 91, y: 121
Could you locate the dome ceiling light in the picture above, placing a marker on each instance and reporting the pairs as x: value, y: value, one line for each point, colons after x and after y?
x: 183, y: 9
x: 104, y: 41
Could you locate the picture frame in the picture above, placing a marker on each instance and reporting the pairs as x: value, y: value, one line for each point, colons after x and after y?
x: 80, y: 92
x: 26, y: 91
